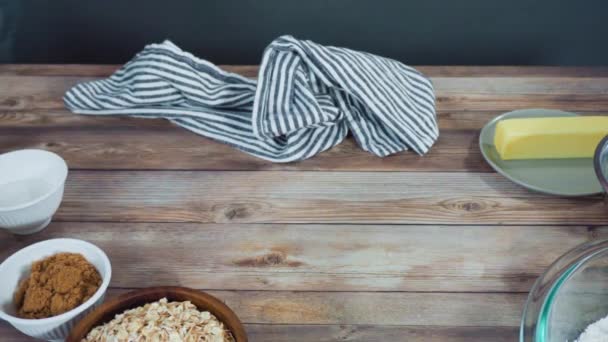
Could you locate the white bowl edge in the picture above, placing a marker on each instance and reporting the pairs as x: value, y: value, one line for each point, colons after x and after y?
x: 53, y: 190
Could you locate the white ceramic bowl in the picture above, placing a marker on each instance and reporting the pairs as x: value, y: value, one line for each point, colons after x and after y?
x: 17, y: 267
x: 31, y: 188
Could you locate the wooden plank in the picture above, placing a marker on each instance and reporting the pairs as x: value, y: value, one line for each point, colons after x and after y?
x: 366, y: 333
x: 108, y: 143
x: 453, y: 93
x: 372, y: 308
x: 350, y: 257
x: 172, y: 148
x: 62, y: 118
x: 252, y: 70
x: 91, y: 142
x: 353, y: 333
x: 35, y: 92
x: 312, y: 197
x: 482, y: 102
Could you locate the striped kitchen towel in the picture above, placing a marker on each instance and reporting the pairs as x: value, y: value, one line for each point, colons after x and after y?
x: 306, y: 99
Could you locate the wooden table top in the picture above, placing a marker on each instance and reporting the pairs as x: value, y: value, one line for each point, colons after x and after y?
x: 343, y: 246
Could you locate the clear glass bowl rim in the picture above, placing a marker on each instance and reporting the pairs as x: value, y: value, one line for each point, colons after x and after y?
x: 540, y: 298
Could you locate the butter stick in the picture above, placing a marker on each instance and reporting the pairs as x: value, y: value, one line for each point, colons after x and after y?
x: 550, y: 137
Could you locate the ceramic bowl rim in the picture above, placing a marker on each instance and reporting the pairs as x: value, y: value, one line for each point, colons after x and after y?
x: 64, y: 174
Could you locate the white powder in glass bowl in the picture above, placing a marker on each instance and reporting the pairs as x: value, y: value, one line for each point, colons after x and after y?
x: 596, y: 332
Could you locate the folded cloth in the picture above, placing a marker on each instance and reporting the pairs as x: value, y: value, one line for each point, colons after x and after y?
x: 306, y: 99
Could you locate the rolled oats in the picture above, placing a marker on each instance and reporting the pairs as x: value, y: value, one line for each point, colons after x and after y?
x: 162, y: 321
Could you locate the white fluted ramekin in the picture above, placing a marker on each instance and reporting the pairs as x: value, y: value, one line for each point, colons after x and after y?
x: 17, y: 267
x: 31, y: 189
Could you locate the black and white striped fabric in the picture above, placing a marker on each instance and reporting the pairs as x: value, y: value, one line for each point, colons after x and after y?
x: 306, y: 99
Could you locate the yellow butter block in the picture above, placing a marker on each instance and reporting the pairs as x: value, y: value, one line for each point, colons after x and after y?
x: 550, y: 138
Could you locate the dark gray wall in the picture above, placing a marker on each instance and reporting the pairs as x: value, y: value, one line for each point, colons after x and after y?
x: 235, y: 32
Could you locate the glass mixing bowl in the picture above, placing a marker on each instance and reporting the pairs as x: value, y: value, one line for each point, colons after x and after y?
x: 600, y: 163
x: 569, y: 296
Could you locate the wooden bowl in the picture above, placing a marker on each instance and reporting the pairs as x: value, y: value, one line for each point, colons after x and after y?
x: 130, y: 300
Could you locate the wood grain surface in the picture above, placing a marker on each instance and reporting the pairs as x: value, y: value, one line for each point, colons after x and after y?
x: 114, y: 143
x: 322, y: 257
x: 156, y: 144
x: 361, y: 333
x: 371, y: 308
x: 343, y: 246
x: 25, y: 93
x: 312, y: 197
